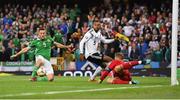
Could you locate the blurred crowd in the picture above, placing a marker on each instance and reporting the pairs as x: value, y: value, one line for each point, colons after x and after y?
x: 149, y: 29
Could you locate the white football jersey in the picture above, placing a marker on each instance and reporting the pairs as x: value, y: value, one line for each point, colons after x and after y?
x: 90, y: 42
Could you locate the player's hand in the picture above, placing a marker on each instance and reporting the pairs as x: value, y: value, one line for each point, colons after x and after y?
x: 69, y: 46
x: 13, y: 56
x: 99, y: 81
x: 81, y: 57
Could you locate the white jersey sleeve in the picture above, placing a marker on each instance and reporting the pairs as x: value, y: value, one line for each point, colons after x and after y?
x: 104, y: 40
x: 86, y: 37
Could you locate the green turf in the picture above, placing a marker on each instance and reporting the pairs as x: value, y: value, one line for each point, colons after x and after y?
x: 78, y: 88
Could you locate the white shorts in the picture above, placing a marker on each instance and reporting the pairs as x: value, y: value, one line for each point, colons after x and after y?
x: 47, y: 65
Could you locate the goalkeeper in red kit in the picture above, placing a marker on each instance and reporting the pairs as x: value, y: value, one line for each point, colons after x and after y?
x: 120, y: 70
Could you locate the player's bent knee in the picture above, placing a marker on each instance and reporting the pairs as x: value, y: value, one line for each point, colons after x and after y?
x: 52, y: 79
x: 39, y: 63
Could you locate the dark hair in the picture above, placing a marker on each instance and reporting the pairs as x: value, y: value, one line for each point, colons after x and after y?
x: 41, y: 28
x: 96, y: 20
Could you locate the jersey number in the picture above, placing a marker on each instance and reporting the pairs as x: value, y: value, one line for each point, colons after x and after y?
x: 94, y: 43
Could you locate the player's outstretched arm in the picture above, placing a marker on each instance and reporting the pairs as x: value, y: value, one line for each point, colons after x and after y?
x: 24, y: 50
x: 59, y: 45
x: 104, y: 40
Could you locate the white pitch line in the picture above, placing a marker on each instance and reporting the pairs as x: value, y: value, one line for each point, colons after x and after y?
x: 76, y: 91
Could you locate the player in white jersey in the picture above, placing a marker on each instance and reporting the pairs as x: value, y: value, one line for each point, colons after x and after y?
x: 89, y: 47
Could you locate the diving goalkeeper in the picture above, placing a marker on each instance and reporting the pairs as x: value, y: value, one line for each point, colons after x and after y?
x: 120, y: 70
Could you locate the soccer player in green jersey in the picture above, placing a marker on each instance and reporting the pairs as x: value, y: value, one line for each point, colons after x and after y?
x: 42, y: 47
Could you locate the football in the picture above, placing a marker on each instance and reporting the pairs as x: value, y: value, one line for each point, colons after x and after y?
x: 41, y: 72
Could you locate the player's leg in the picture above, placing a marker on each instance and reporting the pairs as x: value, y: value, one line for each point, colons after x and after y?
x: 107, y: 58
x: 42, y: 77
x: 97, y: 71
x: 119, y: 81
x: 102, y: 65
x: 126, y: 75
x: 116, y: 80
x: 39, y: 62
x: 97, y: 59
x: 49, y: 77
x: 49, y: 70
x: 121, y: 76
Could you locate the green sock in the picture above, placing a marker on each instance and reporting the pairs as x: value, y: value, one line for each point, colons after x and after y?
x: 42, y: 79
x: 34, y: 72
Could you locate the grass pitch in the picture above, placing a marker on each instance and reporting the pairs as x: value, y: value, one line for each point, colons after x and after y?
x: 18, y: 87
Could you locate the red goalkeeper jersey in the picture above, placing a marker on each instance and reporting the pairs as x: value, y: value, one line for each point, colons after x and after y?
x: 114, y: 63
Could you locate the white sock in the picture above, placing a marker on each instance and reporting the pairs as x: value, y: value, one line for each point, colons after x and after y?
x: 97, y: 71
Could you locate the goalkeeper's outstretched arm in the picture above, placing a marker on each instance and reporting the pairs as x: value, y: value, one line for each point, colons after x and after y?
x: 24, y: 50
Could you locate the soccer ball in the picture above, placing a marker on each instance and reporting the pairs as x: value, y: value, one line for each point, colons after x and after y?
x: 41, y: 72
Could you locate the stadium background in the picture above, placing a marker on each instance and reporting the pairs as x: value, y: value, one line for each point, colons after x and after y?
x: 19, y: 22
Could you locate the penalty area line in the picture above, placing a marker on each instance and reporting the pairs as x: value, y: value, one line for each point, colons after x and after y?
x: 77, y: 91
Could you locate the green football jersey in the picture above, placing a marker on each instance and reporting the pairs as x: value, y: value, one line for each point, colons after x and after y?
x: 42, y: 47
x: 1, y: 37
